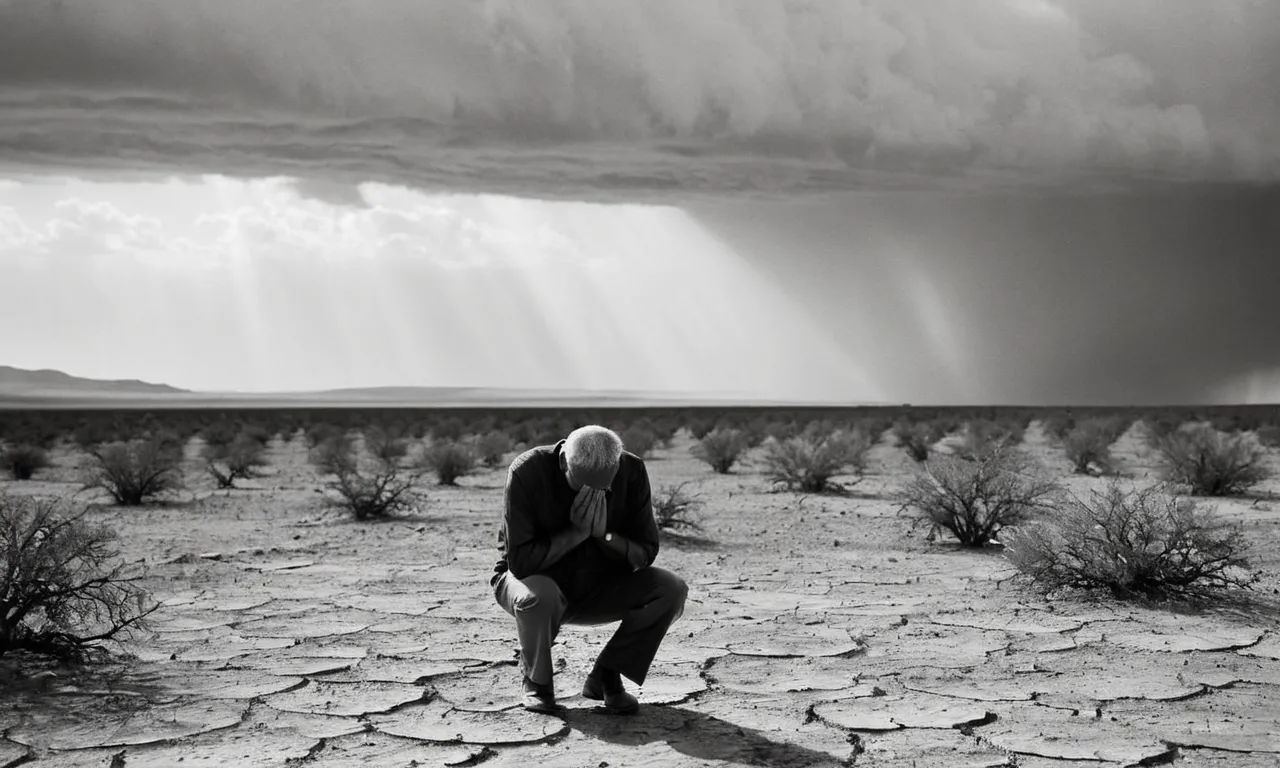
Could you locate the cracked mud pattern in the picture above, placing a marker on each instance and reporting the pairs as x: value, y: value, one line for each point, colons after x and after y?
x: 820, y: 631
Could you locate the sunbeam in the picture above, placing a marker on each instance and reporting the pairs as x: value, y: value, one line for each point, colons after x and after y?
x: 286, y: 292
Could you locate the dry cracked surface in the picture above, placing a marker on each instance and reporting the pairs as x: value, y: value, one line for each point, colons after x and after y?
x: 820, y: 631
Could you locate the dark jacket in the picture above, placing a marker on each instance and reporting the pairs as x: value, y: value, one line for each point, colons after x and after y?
x: 536, y: 505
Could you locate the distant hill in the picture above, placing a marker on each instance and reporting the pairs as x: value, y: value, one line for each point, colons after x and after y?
x: 17, y: 382
x: 54, y: 389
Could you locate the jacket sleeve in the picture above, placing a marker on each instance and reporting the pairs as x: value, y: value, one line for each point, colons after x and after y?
x: 530, y: 550
x: 644, y: 528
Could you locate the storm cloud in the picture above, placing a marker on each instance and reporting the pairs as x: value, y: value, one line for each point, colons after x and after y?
x: 613, y: 99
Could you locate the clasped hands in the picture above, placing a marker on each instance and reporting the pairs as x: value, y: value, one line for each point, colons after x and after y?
x: 590, y: 511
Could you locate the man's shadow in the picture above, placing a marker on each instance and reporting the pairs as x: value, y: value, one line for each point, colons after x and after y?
x: 700, y: 736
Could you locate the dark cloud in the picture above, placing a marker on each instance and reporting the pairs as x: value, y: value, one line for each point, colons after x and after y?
x: 330, y: 191
x: 1109, y: 299
x: 569, y: 98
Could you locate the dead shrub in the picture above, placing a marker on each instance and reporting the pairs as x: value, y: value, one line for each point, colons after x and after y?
x: 220, y: 433
x: 918, y: 438
x: 320, y: 433
x: 366, y: 486
x: 982, y: 438
x: 1056, y: 425
x: 1269, y: 435
x: 639, y: 440
x: 23, y: 461
x: 63, y: 590
x: 809, y: 461
x: 974, y: 498
x: 1144, y: 542
x: 448, y: 428
x: 450, y: 460
x: 243, y: 458
x: 385, y: 444
x: 720, y: 448
x: 492, y: 447
x: 135, y: 471
x: 1088, y: 443
x: 1158, y: 426
x: 1209, y: 462
x: 673, y: 506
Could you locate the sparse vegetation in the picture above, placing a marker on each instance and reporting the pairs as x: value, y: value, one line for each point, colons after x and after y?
x: 242, y: 458
x: 385, y: 444
x: 809, y: 461
x: 982, y: 438
x: 720, y: 448
x: 23, y: 461
x: 673, y: 506
x: 1209, y: 462
x: 366, y: 486
x: 449, y: 460
x: 918, y: 438
x: 1269, y: 435
x: 1157, y: 426
x: 492, y: 447
x: 639, y: 440
x: 1088, y: 443
x: 321, y: 433
x: 1143, y: 542
x: 974, y: 498
x: 63, y: 590
x: 1056, y: 425
x: 135, y: 471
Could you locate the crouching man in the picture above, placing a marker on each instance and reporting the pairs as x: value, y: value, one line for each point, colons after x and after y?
x: 577, y: 546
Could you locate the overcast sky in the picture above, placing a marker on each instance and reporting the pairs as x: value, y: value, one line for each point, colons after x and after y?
x: 1067, y: 201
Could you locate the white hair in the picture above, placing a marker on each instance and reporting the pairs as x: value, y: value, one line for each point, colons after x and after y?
x: 593, y: 448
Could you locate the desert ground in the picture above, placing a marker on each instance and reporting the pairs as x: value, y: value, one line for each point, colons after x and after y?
x: 820, y: 630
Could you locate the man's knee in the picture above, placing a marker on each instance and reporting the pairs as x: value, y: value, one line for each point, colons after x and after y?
x: 672, y: 588
x: 541, y: 595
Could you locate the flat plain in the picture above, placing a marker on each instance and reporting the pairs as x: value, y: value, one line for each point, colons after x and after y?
x: 820, y: 630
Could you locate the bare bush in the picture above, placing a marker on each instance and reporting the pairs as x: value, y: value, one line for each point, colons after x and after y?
x: 23, y: 461
x: 982, y: 438
x: 639, y: 440
x: 975, y: 498
x: 449, y: 459
x: 243, y: 458
x: 1144, y: 542
x: 1269, y: 435
x: 664, y: 429
x: 366, y: 486
x: 1209, y: 462
x: 321, y: 433
x: 809, y: 461
x: 720, y: 448
x: 92, y: 433
x: 1056, y: 425
x: 492, y: 447
x: 450, y: 428
x: 63, y: 590
x: 918, y: 438
x: 1088, y: 443
x: 1157, y: 426
x: 672, y: 507
x: 386, y: 444
x: 220, y: 433
x: 135, y: 471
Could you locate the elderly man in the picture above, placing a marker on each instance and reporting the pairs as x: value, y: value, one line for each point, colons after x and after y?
x: 577, y: 546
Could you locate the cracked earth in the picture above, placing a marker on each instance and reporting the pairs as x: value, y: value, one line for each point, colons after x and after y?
x: 819, y: 631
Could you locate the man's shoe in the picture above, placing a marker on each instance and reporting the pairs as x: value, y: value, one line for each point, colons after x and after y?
x: 615, y: 697
x: 539, y: 698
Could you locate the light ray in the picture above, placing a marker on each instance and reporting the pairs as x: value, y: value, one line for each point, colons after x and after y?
x: 283, y: 292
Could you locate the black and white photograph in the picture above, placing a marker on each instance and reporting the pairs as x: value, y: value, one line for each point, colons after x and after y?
x: 612, y: 383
